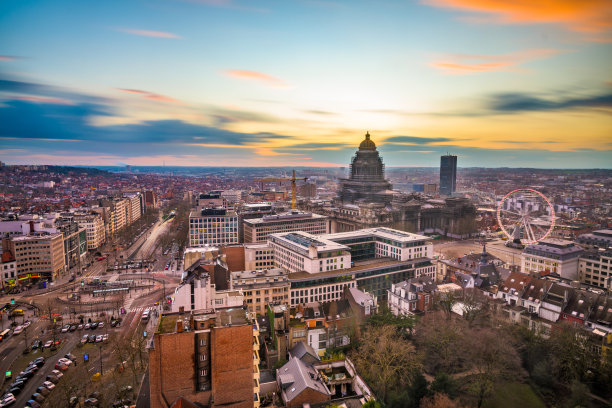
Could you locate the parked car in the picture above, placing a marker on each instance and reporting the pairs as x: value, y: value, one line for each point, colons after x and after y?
x: 65, y: 360
x: 40, y: 361
x: 52, y: 378
x: 14, y: 391
x: 61, y: 366
x: 7, y: 400
x: 91, y: 338
x: 27, y: 323
x: 91, y: 402
x: 38, y: 397
x: 80, y: 327
x: 84, y: 338
x: 100, y: 325
x: 74, y: 401
x: 65, y: 328
x: 43, y: 391
x: 48, y: 344
x: 99, y: 339
x: 32, y: 404
x: 94, y: 325
x: 73, y: 327
x: 87, y: 326
x: 49, y: 385
x: 105, y: 337
x: 57, y: 373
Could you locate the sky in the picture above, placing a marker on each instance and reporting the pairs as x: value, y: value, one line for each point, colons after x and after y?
x: 499, y: 83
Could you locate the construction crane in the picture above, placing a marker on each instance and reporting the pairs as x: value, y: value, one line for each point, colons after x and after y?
x: 292, y: 179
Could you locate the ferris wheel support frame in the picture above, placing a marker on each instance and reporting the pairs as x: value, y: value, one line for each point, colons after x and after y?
x: 526, y: 224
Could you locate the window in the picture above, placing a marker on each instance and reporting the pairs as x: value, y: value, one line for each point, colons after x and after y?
x: 202, y: 342
x: 202, y: 357
x: 203, y: 372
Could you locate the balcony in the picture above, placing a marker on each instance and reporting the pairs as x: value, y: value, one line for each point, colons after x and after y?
x: 255, y: 343
x: 256, y: 402
x: 256, y: 372
x: 256, y: 360
x: 255, y: 328
x: 256, y: 386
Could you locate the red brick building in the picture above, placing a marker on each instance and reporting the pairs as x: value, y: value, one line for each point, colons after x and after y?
x: 212, y: 363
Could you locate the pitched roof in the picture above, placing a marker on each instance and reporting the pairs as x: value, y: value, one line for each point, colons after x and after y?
x: 296, y: 376
x: 602, y: 311
x: 302, y: 349
x: 516, y: 281
x: 536, y: 289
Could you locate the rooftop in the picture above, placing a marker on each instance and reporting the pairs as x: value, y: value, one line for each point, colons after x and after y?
x: 380, y: 232
x: 304, y: 241
x: 291, y: 215
x: 265, y: 273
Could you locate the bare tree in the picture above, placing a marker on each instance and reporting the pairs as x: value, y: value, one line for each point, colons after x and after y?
x: 439, y: 401
x: 493, y: 358
x: 387, y: 361
x: 447, y: 300
x: 441, y: 341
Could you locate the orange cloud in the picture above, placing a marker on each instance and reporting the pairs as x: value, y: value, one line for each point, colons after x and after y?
x: 150, y: 95
x: 7, y: 58
x: 586, y: 16
x: 471, y: 63
x: 149, y: 33
x: 256, y: 76
x: 44, y: 99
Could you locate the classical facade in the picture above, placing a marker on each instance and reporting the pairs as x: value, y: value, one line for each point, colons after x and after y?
x: 366, y: 182
x: 366, y: 200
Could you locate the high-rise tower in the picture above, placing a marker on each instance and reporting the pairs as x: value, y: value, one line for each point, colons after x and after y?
x: 366, y: 182
x: 448, y: 174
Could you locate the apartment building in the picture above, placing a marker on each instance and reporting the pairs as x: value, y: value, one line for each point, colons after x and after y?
x: 213, y: 226
x: 209, y: 358
x: 552, y: 256
x: 198, y: 291
x: 258, y: 257
x: 39, y: 256
x: 8, y: 267
x: 258, y: 229
x: 135, y: 206
x: 412, y: 297
x: 262, y: 287
x: 94, y: 228
x: 595, y: 268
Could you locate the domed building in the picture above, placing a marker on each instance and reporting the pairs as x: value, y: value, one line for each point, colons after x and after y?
x: 366, y: 183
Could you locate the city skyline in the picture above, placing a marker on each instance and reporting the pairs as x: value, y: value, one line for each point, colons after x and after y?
x: 232, y: 83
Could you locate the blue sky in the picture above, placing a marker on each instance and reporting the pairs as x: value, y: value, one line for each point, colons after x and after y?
x: 221, y: 82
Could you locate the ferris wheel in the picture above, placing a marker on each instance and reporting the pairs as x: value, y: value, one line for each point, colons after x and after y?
x: 526, y: 216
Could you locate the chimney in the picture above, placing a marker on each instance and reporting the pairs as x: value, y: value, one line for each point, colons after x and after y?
x: 31, y: 227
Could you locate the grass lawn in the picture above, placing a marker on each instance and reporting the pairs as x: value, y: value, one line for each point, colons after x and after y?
x: 512, y: 395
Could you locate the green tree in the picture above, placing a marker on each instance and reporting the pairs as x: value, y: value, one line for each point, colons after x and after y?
x: 444, y: 384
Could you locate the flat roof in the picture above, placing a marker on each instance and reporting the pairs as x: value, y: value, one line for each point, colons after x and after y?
x: 264, y: 273
x: 382, y: 232
x: 291, y: 215
x: 372, y: 264
x: 304, y: 240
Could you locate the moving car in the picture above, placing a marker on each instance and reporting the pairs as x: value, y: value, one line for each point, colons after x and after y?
x: 48, y: 344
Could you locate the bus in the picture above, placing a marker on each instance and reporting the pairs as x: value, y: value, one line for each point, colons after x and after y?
x: 145, y: 315
x: 5, y: 334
